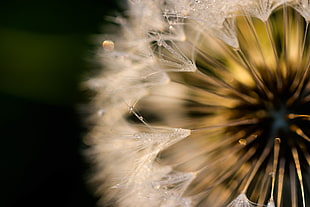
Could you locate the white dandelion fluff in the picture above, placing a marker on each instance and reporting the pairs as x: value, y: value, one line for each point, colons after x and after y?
x: 204, y: 103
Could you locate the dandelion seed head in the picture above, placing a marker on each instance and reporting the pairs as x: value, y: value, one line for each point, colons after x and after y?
x: 204, y: 103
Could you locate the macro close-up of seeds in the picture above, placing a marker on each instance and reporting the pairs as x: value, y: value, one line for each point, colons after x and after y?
x: 203, y: 103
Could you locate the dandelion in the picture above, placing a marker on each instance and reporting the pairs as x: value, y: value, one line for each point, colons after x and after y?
x: 204, y: 103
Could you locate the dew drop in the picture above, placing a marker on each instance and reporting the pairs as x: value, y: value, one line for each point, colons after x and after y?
x: 108, y: 45
x: 116, y: 186
x: 242, y: 142
x: 270, y: 204
x: 159, y: 43
x: 101, y: 112
x: 156, y: 186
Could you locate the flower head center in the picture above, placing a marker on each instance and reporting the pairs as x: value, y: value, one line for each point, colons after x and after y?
x: 280, y: 121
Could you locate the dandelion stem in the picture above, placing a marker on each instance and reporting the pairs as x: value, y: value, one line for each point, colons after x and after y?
x: 299, y: 174
x: 269, y: 33
x: 235, y: 91
x: 254, y: 74
x: 140, y: 117
x: 303, y: 72
x: 305, y: 152
x: 259, y: 162
x: 233, y: 123
x: 304, y: 38
x: 293, y: 185
x: 280, y: 181
x: 264, y: 185
x: 294, y: 116
x: 231, y: 171
x: 299, y: 131
x: 300, y: 86
x: 286, y: 36
x: 252, y: 28
x: 276, y: 151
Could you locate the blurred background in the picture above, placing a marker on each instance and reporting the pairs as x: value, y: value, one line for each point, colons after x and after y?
x: 45, y: 53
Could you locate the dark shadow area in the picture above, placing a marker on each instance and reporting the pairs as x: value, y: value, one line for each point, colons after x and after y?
x: 45, y: 52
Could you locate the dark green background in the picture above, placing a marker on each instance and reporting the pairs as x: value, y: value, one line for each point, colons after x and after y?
x: 45, y: 53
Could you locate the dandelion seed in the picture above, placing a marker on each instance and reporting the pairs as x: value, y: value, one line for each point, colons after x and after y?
x: 241, y: 201
x: 206, y: 103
